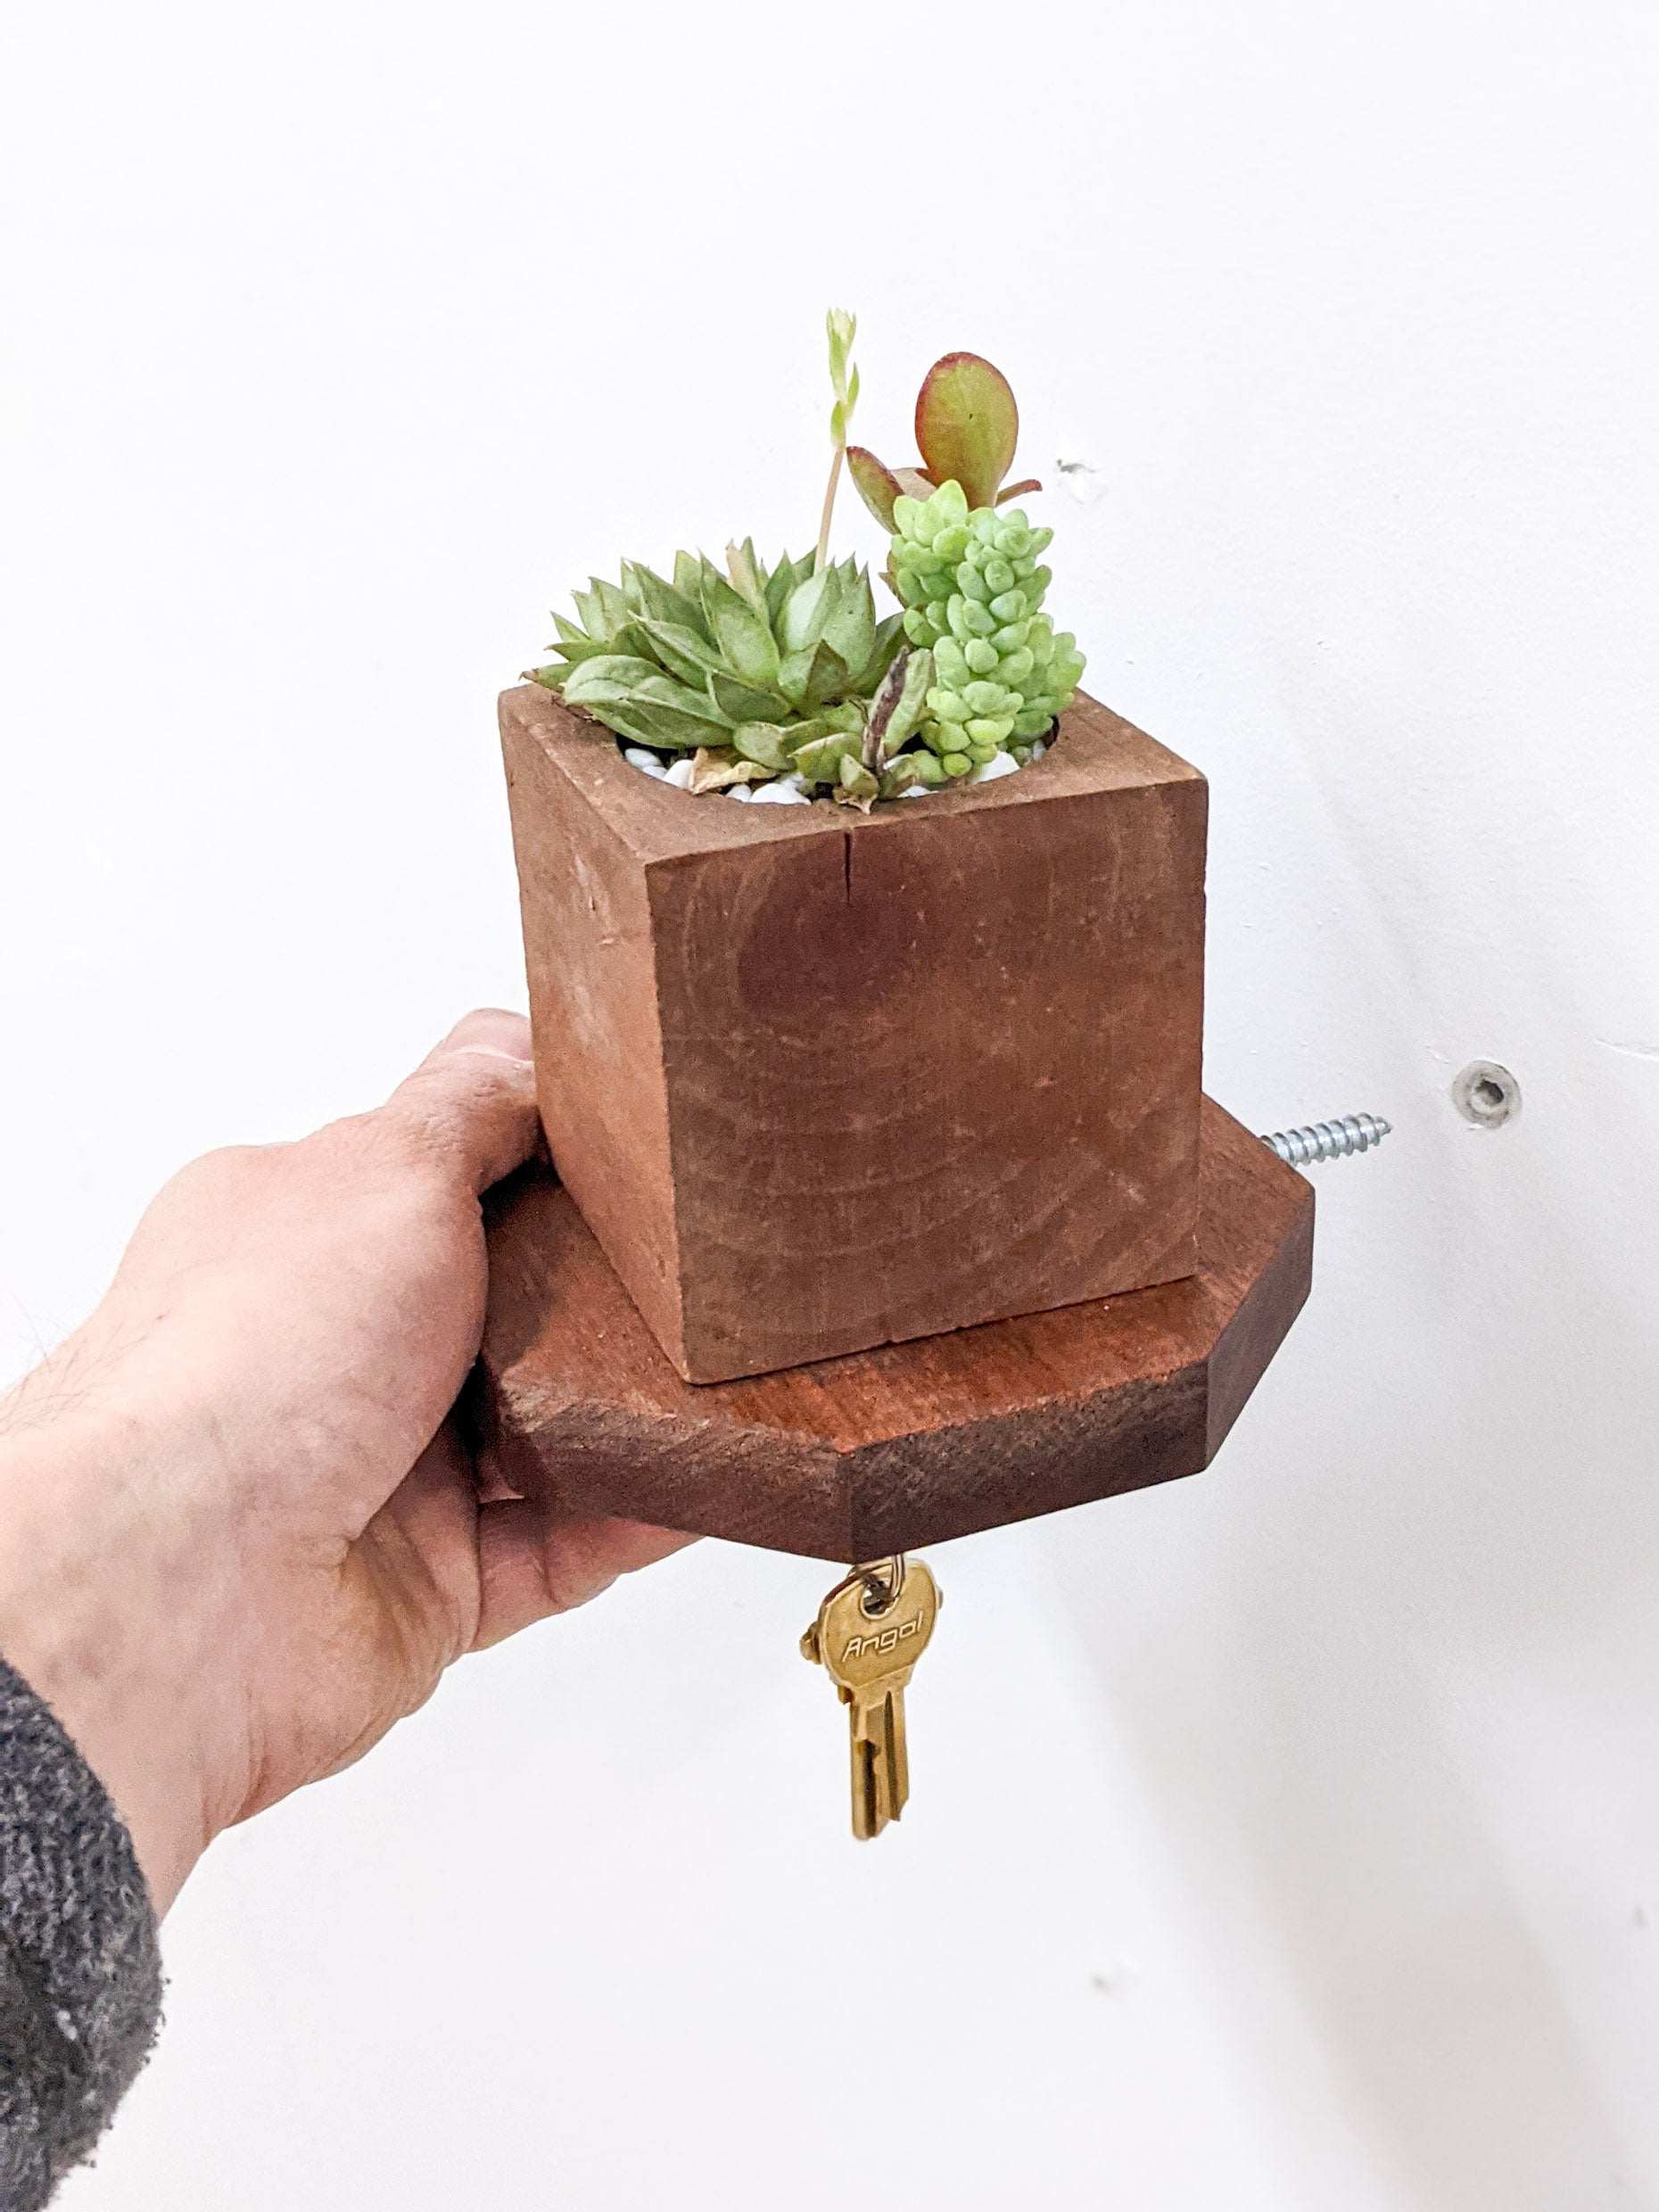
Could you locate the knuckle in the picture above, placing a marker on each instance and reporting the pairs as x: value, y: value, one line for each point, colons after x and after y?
x: 228, y: 1177
x: 395, y: 1145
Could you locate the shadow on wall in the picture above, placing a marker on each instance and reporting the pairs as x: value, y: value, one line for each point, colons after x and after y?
x: 1281, y: 1643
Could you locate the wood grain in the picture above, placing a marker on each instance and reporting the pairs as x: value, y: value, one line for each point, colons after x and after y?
x: 820, y: 1082
x: 890, y: 1449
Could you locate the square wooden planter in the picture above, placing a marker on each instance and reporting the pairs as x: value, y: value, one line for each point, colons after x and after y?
x: 820, y: 1081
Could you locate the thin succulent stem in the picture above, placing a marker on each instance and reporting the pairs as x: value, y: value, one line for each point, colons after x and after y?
x: 882, y: 708
x: 841, y: 329
x: 822, y: 554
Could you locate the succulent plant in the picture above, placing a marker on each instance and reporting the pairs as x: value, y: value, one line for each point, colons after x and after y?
x: 840, y: 328
x: 972, y: 590
x: 968, y: 577
x: 785, y: 675
x: 756, y: 673
x: 967, y: 426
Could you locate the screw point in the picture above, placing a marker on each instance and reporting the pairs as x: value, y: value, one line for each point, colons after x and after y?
x: 1328, y: 1140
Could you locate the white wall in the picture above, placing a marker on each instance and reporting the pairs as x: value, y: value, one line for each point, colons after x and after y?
x: 1284, y: 1839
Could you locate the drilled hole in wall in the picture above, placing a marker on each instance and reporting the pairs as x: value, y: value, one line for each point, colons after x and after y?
x: 1487, y: 1094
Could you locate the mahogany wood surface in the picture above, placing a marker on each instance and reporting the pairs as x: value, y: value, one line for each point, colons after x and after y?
x: 821, y: 1081
x: 885, y: 1450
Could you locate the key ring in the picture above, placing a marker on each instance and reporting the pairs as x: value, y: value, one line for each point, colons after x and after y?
x: 881, y: 1595
x: 881, y: 1592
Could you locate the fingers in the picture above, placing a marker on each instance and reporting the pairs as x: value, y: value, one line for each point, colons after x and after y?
x: 421, y: 1549
x: 532, y: 1563
x: 475, y: 1096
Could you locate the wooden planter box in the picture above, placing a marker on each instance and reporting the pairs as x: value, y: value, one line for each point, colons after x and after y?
x: 820, y: 1081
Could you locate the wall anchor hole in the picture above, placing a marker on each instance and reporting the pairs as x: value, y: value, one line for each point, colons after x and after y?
x: 1487, y: 1094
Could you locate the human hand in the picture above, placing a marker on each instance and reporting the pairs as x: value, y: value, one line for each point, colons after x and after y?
x: 241, y: 1532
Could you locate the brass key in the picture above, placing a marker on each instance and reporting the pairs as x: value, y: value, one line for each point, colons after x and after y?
x: 870, y: 1632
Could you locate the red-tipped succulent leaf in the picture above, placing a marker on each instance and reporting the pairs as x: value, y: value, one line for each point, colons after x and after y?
x: 967, y: 425
x: 878, y: 486
x: 916, y: 481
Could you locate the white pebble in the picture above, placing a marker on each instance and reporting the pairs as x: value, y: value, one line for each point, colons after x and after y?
x: 738, y: 791
x: 780, y: 794
x: 795, y: 781
x: 1039, y: 746
x: 918, y: 791
x: 999, y: 764
x: 637, y: 756
x: 679, y: 775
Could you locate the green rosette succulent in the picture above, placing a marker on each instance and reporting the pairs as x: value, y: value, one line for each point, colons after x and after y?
x: 756, y: 673
x: 680, y: 664
x: 971, y: 586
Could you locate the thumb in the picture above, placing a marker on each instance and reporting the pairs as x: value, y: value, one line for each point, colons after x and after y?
x: 474, y: 1096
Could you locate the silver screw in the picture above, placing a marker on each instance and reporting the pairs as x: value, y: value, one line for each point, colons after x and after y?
x: 1487, y: 1094
x: 1328, y: 1140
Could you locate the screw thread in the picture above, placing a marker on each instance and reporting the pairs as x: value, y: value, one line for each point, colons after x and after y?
x: 1328, y: 1140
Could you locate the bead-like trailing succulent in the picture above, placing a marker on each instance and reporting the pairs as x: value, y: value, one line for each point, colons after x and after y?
x: 785, y: 677
x: 968, y: 576
x: 972, y: 590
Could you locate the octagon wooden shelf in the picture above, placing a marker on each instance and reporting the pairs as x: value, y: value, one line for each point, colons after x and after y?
x: 886, y: 1450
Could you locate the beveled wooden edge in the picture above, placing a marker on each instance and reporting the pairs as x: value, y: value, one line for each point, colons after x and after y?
x: 892, y: 1448
x: 1094, y: 749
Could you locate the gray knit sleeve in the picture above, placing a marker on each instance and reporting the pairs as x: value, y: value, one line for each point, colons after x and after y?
x: 80, y: 1974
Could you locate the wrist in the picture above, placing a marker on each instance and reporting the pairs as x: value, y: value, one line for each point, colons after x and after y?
x: 111, y: 1593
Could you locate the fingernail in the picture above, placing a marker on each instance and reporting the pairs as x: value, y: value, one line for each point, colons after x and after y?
x: 493, y: 1031
x: 489, y: 1052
